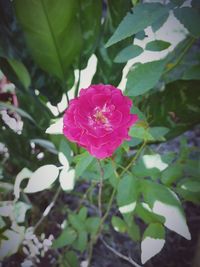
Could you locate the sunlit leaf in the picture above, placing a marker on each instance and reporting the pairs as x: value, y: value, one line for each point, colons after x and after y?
x: 153, y: 241
x: 67, y: 179
x: 42, y: 178
x: 23, y: 174
x: 11, y: 245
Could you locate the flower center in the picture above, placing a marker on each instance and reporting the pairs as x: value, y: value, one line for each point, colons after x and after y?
x: 99, y: 117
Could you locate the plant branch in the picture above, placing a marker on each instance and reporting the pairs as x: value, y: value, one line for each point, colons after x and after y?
x: 120, y: 255
x: 48, y: 208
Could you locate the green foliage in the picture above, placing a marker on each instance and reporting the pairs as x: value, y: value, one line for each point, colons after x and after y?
x: 107, y: 71
x: 48, y: 36
x: 132, y: 23
x: 67, y: 237
x: 127, y: 53
x: 185, y: 14
x: 144, y: 77
x: 138, y: 185
x: 179, y: 107
x: 157, y: 45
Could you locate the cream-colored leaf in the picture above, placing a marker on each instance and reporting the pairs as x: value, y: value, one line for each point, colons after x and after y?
x: 174, y: 219
x: 67, y: 179
x: 23, y: 174
x: 42, y: 178
x: 150, y: 247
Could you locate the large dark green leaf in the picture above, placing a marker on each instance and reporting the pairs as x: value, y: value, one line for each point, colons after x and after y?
x: 144, y: 77
x: 185, y: 14
x: 178, y: 107
x: 90, y: 13
x: 52, y: 33
x: 142, y: 16
x: 185, y: 55
x: 107, y: 71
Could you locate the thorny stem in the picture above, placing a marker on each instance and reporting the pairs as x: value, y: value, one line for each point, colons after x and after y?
x: 129, y: 259
x: 48, y: 208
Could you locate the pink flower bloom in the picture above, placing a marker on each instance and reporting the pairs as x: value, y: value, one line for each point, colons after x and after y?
x: 99, y: 119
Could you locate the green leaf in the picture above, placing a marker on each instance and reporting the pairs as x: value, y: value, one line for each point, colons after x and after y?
x: 20, y: 71
x: 84, y: 161
x: 118, y: 224
x: 146, y: 214
x: 76, y: 222
x: 155, y: 230
x: 127, y: 53
x: 191, y: 185
x: 192, y: 73
x: 184, y: 15
x: 81, y: 242
x: 133, y: 231
x: 83, y: 213
x: 47, y: 35
x: 159, y: 22
x: 65, y: 149
x: 177, y: 2
x: 15, y: 71
x: 66, y: 238
x: 127, y: 194
x: 153, y: 241
x: 141, y: 132
x: 172, y: 173
x: 144, y: 77
x: 90, y: 13
x: 132, y: 22
x: 69, y: 259
x: 107, y: 71
x: 92, y: 225
x: 158, y: 132
x: 179, y: 110
x: 195, y: 3
x: 157, y: 45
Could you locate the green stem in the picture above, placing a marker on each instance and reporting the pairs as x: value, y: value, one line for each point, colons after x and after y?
x: 95, y: 238
x: 100, y: 188
x: 133, y: 159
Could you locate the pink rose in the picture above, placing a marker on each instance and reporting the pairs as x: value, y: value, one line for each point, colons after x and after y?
x: 99, y: 119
